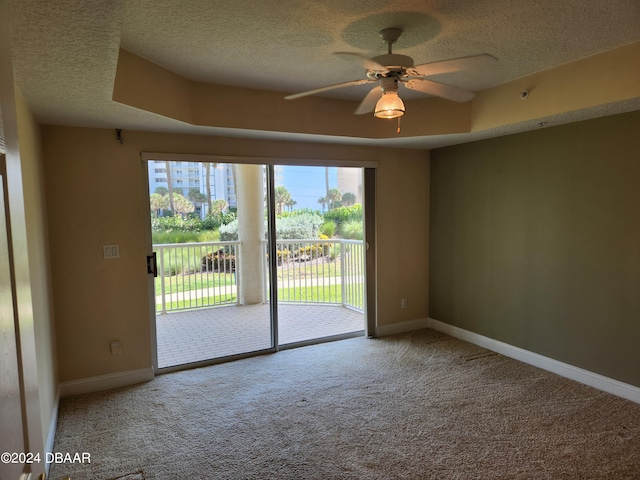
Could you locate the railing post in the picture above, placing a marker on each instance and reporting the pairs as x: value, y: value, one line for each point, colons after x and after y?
x: 236, y: 269
x: 162, y: 288
x: 343, y: 289
x: 265, y: 267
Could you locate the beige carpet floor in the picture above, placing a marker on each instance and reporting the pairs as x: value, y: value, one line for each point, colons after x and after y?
x: 413, y: 406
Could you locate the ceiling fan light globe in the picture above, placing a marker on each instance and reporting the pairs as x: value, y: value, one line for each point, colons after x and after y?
x: 390, y: 105
x: 390, y: 114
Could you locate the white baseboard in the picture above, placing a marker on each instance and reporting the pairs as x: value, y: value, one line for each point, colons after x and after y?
x: 53, y: 423
x: 606, y: 384
x: 51, y: 436
x: 402, y: 327
x: 106, y: 382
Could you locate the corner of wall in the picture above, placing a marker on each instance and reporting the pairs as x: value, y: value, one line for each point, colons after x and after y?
x: 106, y: 382
x: 37, y: 244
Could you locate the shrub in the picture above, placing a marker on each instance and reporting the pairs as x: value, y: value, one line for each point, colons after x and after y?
x: 351, y: 229
x: 174, y: 236
x: 300, y: 211
x: 208, y: 236
x: 344, y: 214
x: 211, y: 222
x: 191, y: 224
x: 334, y: 251
x: 300, y: 226
x: 283, y: 255
x: 176, y: 223
x: 214, y: 221
x: 229, y: 232
x: 228, y: 217
x: 177, y: 236
x: 315, y: 249
x: 219, y: 262
x: 328, y: 228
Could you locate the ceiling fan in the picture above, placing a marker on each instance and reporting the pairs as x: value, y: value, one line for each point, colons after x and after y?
x: 391, y: 69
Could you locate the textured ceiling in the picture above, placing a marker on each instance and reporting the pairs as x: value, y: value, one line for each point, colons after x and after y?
x: 66, y: 51
x: 287, y: 46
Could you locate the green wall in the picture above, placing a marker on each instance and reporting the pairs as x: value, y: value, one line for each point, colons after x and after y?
x: 535, y: 241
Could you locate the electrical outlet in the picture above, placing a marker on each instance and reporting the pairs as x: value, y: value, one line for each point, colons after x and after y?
x: 403, y: 304
x: 116, y: 347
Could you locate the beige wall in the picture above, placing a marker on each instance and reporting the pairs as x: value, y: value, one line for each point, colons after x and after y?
x: 95, y: 196
x: 602, y: 79
x: 30, y: 285
x: 402, y: 203
x: 39, y: 272
x: 30, y: 288
x: 535, y: 241
x: 147, y: 86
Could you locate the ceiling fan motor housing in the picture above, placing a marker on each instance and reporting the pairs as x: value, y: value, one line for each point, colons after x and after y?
x: 396, y: 66
x: 389, y: 84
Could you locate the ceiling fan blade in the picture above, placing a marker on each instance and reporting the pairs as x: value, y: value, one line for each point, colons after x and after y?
x: 330, y: 87
x: 366, y: 62
x: 448, y: 92
x: 453, y: 65
x: 369, y: 102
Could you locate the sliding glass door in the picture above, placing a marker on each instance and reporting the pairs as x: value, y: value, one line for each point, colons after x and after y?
x: 253, y: 258
x: 320, y: 253
x: 209, y: 240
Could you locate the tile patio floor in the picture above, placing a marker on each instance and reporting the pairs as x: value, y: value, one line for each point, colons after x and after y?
x: 204, y: 334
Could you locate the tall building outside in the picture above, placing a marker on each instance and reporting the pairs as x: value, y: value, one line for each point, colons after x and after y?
x: 306, y: 184
x: 186, y: 176
x: 350, y: 181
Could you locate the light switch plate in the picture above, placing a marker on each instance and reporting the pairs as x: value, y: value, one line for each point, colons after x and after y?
x: 110, y: 251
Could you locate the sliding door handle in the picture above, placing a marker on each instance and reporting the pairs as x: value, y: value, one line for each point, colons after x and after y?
x: 152, y: 264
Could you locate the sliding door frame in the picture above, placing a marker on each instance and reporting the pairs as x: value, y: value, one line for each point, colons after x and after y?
x: 371, y: 273
x: 273, y: 256
x: 369, y: 169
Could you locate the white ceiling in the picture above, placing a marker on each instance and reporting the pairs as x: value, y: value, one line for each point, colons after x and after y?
x: 65, y: 51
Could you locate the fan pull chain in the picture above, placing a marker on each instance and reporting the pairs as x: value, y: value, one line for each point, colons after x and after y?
x: 398, y: 131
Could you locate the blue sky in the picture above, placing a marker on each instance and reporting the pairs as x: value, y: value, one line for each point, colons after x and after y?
x: 307, y: 184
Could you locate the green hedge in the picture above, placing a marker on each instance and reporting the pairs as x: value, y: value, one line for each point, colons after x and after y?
x: 344, y: 214
x: 191, y: 224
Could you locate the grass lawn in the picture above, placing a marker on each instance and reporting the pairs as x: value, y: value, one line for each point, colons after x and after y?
x: 327, y: 294
x: 212, y: 301
x: 194, y: 281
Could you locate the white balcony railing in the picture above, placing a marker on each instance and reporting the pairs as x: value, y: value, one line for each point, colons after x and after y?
x: 196, y: 275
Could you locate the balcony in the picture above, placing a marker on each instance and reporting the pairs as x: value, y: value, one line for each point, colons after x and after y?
x: 199, y: 316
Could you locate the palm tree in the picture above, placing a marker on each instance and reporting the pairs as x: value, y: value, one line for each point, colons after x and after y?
x: 323, y: 201
x: 290, y: 204
x: 218, y: 206
x: 282, y: 197
x: 333, y: 197
x: 157, y: 203
x: 326, y: 180
x: 348, y: 198
x: 197, y: 198
x: 207, y: 180
x: 182, y: 205
x: 234, y: 175
x: 169, y: 186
